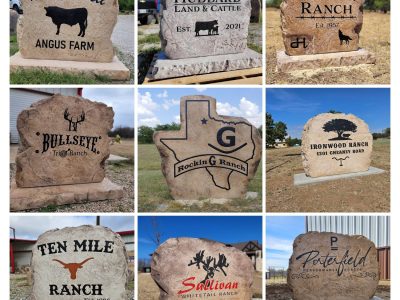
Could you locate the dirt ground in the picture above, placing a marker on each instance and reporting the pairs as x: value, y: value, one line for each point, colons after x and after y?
x: 148, y: 290
x: 375, y: 37
x: 282, y: 292
x: 360, y: 194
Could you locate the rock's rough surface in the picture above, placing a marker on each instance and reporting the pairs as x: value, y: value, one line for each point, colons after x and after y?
x: 170, y: 68
x: 333, y: 266
x: 79, y: 263
x: 211, y: 156
x: 204, y: 28
x: 321, y: 26
x: 64, y: 140
x: 78, y: 30
x: 335, y: 144
x: 190, y: 267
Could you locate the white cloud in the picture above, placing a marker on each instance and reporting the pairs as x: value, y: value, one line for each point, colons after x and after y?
x: 200, y: 89
x: 164, y: 94
x: 279, y: 244
x: 146, y: 105
x: 246, y: 109
x: 177, y: 119
x: 152, y: 122
x: 168, y: 103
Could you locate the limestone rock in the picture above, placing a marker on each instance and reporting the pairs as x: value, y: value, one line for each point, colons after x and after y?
x: 333, y: 266
x: 211, y: 156
x: 90, y: 258
x: 186, y: 267
x: 204, y: 28
x: 321, y: 26
x: 335, y: 144
x: 84, y: 32
x: 64, y: 140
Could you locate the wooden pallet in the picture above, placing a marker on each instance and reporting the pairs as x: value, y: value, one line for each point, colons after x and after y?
x: 246, y: 76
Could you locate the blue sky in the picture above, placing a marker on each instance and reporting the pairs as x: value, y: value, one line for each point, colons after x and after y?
x: 281, y: 232
x: 294, y: 106
x: 161, y: 105
x: 121, y: 100
x: 223, y: 229
x: 30, y: 227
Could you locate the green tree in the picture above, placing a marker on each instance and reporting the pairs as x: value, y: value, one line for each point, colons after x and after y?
x: 382, y: 5
x: 280, y: 131
x: 269, y: 130
x: 145, y: 135
x: 172, y: 126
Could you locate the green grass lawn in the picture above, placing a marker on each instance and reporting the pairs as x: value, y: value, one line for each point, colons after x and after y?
x: 154, y: 195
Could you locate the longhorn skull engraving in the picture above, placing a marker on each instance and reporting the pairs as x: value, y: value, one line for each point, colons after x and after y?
x: 73, y: 267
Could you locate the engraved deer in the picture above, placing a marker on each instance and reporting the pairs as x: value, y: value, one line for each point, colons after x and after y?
x: 73, y: 126
x: 210, y: 264
x: 73, y: 267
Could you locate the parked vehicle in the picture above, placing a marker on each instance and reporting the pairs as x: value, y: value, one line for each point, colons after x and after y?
x: 16, y: 5
x: 148, y: 11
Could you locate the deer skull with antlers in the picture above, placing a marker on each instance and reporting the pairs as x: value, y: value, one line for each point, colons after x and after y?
x: 73, y: 125
x: 73, y: 267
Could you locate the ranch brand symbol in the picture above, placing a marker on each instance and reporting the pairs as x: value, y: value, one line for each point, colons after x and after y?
x: 204, y: 27
x: 311, y: 26
x: 205, y: 269
x: 221, y: 153
x: 333, y: 266
x: 64, y: 140
x: 336, y: 144
x: 78, y: 30
x: 70, y: 263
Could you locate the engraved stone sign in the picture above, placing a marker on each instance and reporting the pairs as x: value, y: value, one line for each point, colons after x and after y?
x: 78, y: 30
x: 186, y: 268
x: 333, y: 266
x: 211, y: 156
x: 204, y: 28
x: 61, y: 157
x: 335, y: 144
x: 64, y: 140
x: 315, y: 26
x: 85, y: 262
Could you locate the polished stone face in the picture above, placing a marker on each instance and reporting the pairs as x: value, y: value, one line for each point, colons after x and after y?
x: 64, y: 140
x: 211, y: 156
x: 79, y: 263
x: 335, y: 144
x: 190, y: 267
x: 315, y: 26
x: 204, y: 28
x: 76, y: 30
x: 333, y: 266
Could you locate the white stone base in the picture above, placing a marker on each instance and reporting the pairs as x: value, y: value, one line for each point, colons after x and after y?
x: 302, y: 179
x: 115, y: 70
x: 36, y: 197
x: 286, y: 63
x: 163, y: 67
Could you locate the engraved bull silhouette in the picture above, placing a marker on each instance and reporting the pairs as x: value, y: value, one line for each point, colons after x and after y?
x: 73, y: 267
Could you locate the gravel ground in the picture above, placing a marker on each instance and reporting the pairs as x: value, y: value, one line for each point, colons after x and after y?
x: 119, y: 173
x: 123, y: 38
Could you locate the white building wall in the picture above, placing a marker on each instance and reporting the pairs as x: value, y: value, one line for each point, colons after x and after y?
x: 21, y: 99
x: 375, y: 228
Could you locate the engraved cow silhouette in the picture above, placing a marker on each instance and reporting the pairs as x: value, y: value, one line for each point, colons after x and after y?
x: 73, y: 267
x: 70, y: 17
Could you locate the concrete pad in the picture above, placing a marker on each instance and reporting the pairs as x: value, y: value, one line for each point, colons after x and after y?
x: 29, y: 198
x: 115, y: 158
x: 115, y: 70
x: 286, y: 63
x: 163, y: 67
x: 302, y: 179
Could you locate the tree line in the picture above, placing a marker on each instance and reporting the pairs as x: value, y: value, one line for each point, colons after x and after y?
x: 375, y: 5
x: 145, y: 133
x: 123, y: 132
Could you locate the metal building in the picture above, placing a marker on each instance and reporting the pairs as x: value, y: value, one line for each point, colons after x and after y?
x: 375, y: 228
x: 21, y: 99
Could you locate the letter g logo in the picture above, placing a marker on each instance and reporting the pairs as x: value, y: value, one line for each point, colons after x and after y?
x: 229, y: 141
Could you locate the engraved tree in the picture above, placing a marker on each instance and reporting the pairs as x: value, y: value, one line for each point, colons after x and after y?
x: 340, y: 126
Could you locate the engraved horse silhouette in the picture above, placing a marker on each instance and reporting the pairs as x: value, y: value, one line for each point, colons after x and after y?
x: 73, y: 267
